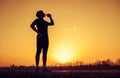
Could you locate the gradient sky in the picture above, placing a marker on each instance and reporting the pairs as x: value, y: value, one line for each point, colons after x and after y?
x: 84, y: 30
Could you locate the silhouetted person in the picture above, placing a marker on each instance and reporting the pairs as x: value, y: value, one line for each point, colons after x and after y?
x: 40, y: 26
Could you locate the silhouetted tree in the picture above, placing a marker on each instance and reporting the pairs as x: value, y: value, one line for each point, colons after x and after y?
x: 117, y: 61
x: 103, y: 62
x: 98, y: 62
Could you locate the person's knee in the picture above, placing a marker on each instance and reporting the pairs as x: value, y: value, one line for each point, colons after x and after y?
x: 44, y: 55
x: 37, y: 53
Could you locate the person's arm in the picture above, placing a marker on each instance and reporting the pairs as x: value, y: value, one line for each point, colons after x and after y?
x: 51, y: 20
x: 33, y: 26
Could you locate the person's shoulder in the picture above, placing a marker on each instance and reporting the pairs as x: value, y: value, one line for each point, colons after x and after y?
x: 46, y: 22
x: 36, y: 20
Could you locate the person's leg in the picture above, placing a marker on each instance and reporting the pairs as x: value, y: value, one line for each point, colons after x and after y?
x: 37, y: 56
x: 45, y: 49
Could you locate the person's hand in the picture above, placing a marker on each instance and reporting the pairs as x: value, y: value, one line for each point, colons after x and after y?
x: 40, y: 35
x: 48, y: 15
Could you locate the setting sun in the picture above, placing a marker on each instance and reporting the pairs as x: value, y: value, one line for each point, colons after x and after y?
x: 64, y: 54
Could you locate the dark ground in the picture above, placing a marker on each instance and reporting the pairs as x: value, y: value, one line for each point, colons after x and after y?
x: 62, y: 72
x: 59, y: 74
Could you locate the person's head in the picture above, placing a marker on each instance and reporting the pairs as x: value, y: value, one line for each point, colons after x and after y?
x: 40, y: 14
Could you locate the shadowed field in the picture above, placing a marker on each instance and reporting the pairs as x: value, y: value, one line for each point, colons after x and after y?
x: 61, y: 74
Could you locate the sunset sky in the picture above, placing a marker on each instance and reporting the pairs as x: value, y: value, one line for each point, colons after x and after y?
x: 84, y: 30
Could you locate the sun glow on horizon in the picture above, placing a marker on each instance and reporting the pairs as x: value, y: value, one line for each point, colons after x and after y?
x: 64, y: 54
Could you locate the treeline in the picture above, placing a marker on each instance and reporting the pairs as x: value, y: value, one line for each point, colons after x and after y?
x: 80, y: 65
x: 98, y: 65
x: 107, y: 62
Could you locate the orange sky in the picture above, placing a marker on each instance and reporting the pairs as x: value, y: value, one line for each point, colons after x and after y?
x: 84, y: 30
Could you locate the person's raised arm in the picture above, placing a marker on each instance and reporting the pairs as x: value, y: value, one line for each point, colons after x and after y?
x: 51, y: 20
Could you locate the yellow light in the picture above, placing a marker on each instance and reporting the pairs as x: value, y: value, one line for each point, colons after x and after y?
x: 64, y: 54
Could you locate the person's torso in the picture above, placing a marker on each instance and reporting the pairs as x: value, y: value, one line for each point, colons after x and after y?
x: 42, y: 27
